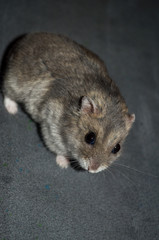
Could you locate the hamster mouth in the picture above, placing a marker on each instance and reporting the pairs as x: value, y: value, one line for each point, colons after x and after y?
x: 74, y: 163
x: 99, y: 169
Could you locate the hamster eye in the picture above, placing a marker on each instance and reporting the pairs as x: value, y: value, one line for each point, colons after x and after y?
x: 90, y: 138
x: 116, y: 149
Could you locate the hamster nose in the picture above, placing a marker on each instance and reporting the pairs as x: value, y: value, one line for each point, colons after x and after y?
x: 93, y: 167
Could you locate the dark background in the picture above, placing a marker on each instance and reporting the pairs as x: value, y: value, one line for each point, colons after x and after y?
x: 40, y: 201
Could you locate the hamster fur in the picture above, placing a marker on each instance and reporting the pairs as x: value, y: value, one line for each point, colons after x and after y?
x: 67, y: 90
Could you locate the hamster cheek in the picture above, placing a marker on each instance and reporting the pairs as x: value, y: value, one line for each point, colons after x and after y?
x: 62, y: 161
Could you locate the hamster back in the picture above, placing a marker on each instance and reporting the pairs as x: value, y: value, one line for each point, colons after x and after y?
x: 67, y: 90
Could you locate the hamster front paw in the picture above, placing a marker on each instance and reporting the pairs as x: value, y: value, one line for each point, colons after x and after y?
x: 10, y: 105
x: 62, y: 161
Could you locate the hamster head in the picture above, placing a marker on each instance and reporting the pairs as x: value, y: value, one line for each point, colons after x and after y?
x: 96, y: 133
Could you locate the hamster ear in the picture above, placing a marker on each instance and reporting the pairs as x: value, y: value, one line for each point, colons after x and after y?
x: 130, y: 119
x: 87, y: 105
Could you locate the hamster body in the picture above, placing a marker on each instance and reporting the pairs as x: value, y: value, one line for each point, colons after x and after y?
x: 67, y: 90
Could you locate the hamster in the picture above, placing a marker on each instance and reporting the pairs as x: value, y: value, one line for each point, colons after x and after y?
x: 67, y: 90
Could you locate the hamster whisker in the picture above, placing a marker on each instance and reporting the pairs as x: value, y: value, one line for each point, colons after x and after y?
x: 72, y: 160
x: 113, y: 175
x: 127, y: 178
x: 130, y: 183
x: 136, y: 170
x: 75, y: 164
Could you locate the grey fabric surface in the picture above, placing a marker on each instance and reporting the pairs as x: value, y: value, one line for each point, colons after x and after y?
x: 40, y: 201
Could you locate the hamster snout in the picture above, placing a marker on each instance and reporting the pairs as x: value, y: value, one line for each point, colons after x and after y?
x: 94, y: 168
x: 66, y: 89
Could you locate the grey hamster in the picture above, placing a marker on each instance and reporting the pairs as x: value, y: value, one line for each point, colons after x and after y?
x: 67, y: 90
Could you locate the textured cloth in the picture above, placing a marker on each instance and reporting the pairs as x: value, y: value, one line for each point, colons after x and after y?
x: 38, y: 200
